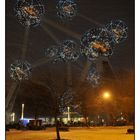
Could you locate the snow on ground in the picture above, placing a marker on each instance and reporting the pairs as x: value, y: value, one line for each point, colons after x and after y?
x: 94, y: 133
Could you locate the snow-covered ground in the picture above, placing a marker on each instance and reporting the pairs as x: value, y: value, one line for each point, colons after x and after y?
x: 95, y: 133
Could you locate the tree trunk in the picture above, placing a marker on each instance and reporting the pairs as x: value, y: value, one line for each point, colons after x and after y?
x: 57, y: 128
x: 85, y: 115
x: 86, y: 120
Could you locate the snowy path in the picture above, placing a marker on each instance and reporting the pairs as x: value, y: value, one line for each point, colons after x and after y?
x: 95, y: 133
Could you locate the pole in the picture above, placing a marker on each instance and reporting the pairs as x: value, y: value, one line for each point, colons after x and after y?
x: 68, y: 113
x: 22, y: 113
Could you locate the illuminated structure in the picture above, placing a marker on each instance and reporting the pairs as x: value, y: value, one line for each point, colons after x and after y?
x: 68, y: 51
x: 96, y: 42
x: 65, y: 52
x: 66, y: 9
x: 20, y: 70
x: 93, y: 77
x: 28, y: 12
x: 52, y: 53
x: 118, y: 30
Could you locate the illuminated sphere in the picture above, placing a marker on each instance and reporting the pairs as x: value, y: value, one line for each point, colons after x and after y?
x: 93, y: 77
x: 29, y: 12
x: 52, y: 53
x: 20, y: 70
x: 66, y: 9
x: 118, y: 30
x: 96, y: 42
x: 68, y: 51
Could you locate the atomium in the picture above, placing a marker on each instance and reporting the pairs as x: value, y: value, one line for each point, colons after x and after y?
x: 93, y: 77
x: 29, y: 12
x: 119, y: 30
x: 66, y: 9
x: 20, y: 70
x: 96, y: 42
x: 68, y: 51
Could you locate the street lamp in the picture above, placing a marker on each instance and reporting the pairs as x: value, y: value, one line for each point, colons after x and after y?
x: 22, y: 112
x: 68, y: 113
x: 106, y: 95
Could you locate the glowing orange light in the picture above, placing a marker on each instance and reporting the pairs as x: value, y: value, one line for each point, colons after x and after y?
x: 99, y: 46
x: 106, y: 95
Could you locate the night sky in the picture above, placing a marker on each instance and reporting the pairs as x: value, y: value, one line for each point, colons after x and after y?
x: 100, y: 11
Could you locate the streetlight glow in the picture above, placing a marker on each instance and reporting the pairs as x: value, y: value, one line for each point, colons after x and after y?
x: 106, y: 95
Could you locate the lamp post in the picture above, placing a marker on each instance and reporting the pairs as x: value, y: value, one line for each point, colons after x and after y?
x: 13, y: 117
x: 107, y: 98
x: 68, y: 113
x: 22, y: 112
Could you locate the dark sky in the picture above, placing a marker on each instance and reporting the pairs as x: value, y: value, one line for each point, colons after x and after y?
x: 100, y: 11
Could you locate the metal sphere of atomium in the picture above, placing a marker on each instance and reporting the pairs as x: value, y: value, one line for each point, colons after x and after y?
x: 93, y: 77
x: 68, y: 51
x: 118, y: 29
x: 20, y: 70
x: 52, y: 53
x: 96, y: 42
x: 66, y: 9
x: 29, y: 12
